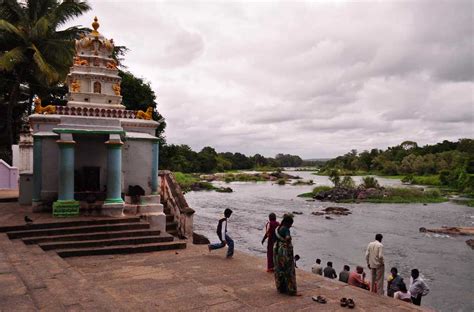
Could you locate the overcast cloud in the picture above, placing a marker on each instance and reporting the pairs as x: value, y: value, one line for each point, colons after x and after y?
x: 309, y: 78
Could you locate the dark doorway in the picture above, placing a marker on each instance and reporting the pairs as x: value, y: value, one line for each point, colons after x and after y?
x: 91, y: 179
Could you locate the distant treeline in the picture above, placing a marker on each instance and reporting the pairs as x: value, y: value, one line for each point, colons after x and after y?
x: 182, y: 158
x: 452, y: 162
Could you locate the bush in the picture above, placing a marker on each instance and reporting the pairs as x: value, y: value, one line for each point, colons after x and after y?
x: 281, y: 182
x: 334, y: 177
x: 347, y: 182
x: 370, y: 182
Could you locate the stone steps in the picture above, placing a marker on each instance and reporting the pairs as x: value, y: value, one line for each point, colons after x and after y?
x: 106, y: 242
x: 125, y: 249
x: 51, y: 283
x: 90, y: 236
x: 78, y: 230
x: 63, y: 224
x: 98, y: 237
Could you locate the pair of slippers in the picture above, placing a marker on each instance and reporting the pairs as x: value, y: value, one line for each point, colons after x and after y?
x: 347, y: 303
x: 319, y: 299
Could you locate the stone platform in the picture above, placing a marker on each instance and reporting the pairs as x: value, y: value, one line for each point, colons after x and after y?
x: 184, y: 280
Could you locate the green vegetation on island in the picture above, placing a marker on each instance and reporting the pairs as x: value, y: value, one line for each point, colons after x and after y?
x: 345, y: 191
x: 447, y: 165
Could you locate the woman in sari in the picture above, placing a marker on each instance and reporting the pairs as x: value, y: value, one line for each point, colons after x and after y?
x: 285, y: 275
x: 270, y: 228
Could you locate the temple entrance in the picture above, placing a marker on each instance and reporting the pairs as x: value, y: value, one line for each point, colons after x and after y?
x: 91, y: 179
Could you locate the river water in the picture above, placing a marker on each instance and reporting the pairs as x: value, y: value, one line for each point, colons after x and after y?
x: 444, y: 262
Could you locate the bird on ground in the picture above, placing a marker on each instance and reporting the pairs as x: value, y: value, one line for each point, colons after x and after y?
x: 28, y: 220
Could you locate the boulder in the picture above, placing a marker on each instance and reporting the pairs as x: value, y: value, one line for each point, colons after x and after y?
x: 318, y: 213
x: 199, y: 239
x: 224, y: 190
x: 470, y: 243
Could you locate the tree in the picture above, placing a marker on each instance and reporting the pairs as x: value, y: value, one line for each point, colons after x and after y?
x: 138, y: 95
x: 33, y: 51
x: 335, y: 178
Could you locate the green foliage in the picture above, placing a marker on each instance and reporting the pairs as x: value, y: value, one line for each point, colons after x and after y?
x: 281, y: 182
x: 370, y: 182
x: 185, y: 181
x: 183, y: 158
x: 347, y: 182
x: 335, y: 178
x: 316, y: 190
x: 447, y: 163
x: 138, y: 95
x: 33, y: 52
x: 407, y: 195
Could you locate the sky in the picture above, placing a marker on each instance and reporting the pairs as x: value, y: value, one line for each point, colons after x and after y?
x: 311, y: 78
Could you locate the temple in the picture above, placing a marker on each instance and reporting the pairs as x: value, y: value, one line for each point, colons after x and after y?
x: 89, y: 153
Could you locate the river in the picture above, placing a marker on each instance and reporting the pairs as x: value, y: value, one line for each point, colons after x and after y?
x: 444, y: 262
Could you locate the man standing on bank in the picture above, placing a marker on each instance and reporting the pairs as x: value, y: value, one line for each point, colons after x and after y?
x: 375, y: 263
x: 224, y: 235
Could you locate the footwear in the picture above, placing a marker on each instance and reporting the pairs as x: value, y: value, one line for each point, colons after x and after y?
x: 319, y: 299
x: 344, y: 302
x: 350, y: 303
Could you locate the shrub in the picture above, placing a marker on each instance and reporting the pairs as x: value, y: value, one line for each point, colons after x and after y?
x: 347, y: 182
x: 370, y: 182
x: 281, y: 182
x: 335, y: 178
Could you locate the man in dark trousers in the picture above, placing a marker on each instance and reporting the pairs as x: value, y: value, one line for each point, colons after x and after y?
x: 224, y: 235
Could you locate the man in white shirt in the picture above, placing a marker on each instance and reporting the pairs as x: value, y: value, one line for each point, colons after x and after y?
x: 375, y: 263
x: 418, y: 287
x: 317, y: 268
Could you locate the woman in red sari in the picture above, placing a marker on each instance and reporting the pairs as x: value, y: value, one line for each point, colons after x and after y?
x: 270, y: 227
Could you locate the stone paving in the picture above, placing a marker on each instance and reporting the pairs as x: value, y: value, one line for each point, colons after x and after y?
x: 183, y: 280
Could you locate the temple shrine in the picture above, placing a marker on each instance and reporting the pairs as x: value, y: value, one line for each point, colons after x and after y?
x: 89, y: 153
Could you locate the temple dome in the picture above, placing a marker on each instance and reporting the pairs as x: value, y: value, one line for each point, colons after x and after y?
x: 94, y: 43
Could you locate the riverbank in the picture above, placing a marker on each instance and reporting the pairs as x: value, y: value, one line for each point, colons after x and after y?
x: 191, y: 279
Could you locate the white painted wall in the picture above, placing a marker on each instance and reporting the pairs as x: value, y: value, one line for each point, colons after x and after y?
x: 136, y: 164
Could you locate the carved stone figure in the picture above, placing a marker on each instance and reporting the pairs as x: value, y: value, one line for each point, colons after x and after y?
x: 75, y: 86
x: 116, y: 88
x: 111, y: 65
x: 80, y: 62
x: 145, y: 115
x: 97, y: 87
x: 50, y: 109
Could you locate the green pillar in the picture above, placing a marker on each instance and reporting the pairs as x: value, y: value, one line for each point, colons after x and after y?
x: 66, y: 205
x: 37, y: 175
x: 114, y: 172
x: 154, y: 169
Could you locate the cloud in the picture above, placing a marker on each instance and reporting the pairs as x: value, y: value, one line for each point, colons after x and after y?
x: 310, y: 78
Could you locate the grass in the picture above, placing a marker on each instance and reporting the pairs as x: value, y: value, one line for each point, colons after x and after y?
x: 185, y: 180
x: 401, y: 195
x: 426, y: 180
x: 316, y: 190
x: 243, y: 177
x: 408, y: 195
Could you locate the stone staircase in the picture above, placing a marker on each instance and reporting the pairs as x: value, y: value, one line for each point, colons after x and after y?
x: 96, y: 237
x: 40, y: 281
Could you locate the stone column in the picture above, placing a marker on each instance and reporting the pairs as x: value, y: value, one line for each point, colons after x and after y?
x: 37, y: 174
x: 155, y: 186
x: 114, y: 203
x: 66, y: 205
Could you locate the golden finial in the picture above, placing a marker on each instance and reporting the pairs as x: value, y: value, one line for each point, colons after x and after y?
x: 95, y: 25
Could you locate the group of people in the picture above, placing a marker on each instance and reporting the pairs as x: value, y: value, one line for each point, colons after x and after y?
x: 396, y: 287
x: 282, y: 262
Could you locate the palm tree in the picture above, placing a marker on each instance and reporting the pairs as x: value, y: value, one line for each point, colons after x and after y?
x: 32, y: 49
